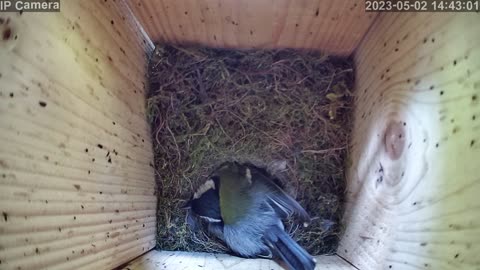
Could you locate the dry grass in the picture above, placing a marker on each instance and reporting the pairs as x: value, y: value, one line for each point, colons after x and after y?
x: 207, y: 106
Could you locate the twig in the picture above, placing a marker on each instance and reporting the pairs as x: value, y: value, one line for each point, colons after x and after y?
x: 264, y: 133
x: 322, y: 151
x: 176, y: 145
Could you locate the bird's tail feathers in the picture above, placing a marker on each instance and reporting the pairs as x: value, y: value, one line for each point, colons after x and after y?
x: 289, y: 251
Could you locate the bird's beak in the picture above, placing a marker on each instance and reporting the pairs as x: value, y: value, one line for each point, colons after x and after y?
x: 187, y: 205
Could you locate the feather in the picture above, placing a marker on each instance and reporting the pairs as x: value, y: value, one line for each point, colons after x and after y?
x: 210, y: 219
x: 286, y: 248
x: 209, y: 184
x: 284, y: 205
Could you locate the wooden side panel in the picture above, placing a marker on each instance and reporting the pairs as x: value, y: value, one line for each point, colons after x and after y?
x: 413, y: 184
x: 333, y: 26
x: 76, y: 184
x: 172, y: 260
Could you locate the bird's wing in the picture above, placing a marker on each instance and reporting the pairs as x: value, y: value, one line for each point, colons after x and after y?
x: 283, y: 204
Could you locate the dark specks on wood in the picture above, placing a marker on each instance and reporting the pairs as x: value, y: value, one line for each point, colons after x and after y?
x: 379, y: 181
x: 7, y: 33
x: 380, y: 178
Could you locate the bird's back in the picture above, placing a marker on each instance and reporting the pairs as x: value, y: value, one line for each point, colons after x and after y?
x: 235, y: 194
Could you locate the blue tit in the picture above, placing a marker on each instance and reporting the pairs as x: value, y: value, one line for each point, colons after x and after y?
x: 243, y: 207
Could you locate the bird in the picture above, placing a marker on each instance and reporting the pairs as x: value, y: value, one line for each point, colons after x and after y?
x: 243, y: 207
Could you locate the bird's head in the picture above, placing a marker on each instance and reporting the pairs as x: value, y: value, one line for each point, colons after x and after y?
x: 205, y: 201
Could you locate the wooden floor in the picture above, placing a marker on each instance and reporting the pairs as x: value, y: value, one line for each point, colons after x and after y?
x: 194, y: 261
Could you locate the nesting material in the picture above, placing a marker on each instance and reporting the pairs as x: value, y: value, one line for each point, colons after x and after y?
x: 284, y: 110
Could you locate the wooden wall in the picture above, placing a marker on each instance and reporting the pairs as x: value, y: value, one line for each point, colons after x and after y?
x: 332, y: 26
x: 413, y: 190
x: 76, y: 185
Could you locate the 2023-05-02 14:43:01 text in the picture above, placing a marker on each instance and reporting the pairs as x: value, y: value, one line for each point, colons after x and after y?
x: 422, y: 6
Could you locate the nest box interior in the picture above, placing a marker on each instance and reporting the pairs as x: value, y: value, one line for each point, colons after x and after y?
x: 77, y: 181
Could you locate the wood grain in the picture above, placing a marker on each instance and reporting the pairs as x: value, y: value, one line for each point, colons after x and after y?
x: 185, y: 260
x: 77, y: 188
x: 332, y: 26
x: 413, y: 182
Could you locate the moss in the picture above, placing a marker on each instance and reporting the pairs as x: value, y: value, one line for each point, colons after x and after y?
x: 207, y: 106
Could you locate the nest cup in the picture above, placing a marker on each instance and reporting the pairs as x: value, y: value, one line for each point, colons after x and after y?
x: 265, y: 107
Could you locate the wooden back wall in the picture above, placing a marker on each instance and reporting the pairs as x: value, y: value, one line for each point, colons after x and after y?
x: 332, y: 26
